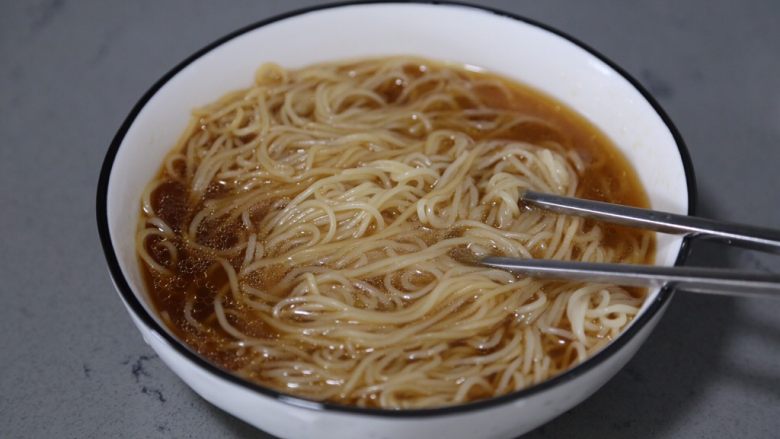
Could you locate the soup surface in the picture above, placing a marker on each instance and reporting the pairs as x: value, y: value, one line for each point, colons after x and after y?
x: 315, y: 233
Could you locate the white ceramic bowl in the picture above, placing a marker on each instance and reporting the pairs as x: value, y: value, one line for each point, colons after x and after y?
x: 518, y: 48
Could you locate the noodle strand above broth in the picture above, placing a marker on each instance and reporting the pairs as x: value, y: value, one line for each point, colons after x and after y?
x: 314, y: 232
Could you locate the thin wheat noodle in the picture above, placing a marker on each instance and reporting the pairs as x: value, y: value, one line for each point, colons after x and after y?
x: 325, y: 240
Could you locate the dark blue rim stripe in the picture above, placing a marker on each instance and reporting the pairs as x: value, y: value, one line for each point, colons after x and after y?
x: 134, y: 304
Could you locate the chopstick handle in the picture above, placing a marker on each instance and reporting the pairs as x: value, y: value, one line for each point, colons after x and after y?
x: 693, y: 279
x: 757, y: 238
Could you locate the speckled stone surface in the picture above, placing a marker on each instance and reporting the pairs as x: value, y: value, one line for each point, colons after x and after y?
x: 73, y: 366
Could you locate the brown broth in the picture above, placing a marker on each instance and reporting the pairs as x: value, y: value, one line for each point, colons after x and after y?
x: 608, y: 177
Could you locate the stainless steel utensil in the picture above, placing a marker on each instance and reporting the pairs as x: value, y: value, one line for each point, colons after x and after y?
x: 757, y: 238
x: 694, y: 279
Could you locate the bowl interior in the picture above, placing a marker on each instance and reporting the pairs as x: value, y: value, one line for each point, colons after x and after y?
x: 516, y: 49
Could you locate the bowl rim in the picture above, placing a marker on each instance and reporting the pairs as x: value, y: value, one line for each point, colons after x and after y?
x: 134, y: 304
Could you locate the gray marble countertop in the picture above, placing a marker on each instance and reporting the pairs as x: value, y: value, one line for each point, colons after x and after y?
x: 73, y: 366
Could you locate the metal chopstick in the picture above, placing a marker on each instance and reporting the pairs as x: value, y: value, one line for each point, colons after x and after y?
x: 757, y: 238
x: 693, y: 279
